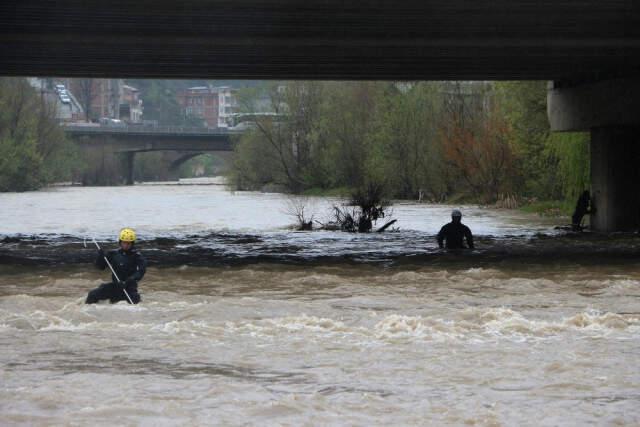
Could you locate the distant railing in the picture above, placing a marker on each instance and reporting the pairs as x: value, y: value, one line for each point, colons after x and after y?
x: 140, y: 129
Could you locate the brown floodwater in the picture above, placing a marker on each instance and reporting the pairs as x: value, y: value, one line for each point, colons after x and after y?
x: 299, y: 331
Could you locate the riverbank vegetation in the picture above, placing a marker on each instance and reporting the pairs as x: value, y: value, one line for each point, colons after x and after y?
x: 482, y: 142
x: 485, y: 142
x: 33, y: 148
x: 551, y: 208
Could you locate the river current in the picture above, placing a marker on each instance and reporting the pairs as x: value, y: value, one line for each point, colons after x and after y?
x: 310, y: 328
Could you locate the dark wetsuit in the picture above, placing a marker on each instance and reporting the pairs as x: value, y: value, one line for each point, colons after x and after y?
x: 130, y: 267
x: 453, y: 233
x: 582, y: 208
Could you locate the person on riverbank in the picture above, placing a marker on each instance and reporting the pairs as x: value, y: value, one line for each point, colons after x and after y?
x: 583, y: 207
x: 129, y: 266
x: 452, y: 234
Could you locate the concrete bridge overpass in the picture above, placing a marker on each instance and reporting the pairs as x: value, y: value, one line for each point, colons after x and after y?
x: 156, y: 138
x: 589, y: 50
x: 129, y: 140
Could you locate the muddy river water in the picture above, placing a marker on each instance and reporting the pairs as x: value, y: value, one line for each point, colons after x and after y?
x: 310, y: 328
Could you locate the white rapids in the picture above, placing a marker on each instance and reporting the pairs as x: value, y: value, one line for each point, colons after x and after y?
x: 341, y: 345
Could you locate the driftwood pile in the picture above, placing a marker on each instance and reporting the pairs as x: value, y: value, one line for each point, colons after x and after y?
x: 359, y: 215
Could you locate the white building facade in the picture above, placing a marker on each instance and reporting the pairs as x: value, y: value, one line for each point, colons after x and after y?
x: 227, y: 106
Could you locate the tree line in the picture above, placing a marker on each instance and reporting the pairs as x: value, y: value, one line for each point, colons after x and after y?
x: 437, y: 141
x: 33, y: 148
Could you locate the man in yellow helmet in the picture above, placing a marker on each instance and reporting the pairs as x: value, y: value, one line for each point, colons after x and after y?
x: 128, y: 264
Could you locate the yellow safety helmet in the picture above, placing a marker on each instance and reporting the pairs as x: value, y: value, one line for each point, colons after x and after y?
x: 127, y: 235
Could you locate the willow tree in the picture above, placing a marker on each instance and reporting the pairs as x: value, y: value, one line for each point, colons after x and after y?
x: 551, y: 165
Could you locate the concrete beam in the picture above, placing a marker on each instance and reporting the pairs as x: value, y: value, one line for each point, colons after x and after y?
x: 136, y: 143
x: 320, y: 39
x: 581, y: 107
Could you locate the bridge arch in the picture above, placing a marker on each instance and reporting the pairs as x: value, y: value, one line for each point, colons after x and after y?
x: 175, y: 165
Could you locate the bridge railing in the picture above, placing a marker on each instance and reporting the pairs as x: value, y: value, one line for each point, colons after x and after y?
x: 133, y: 129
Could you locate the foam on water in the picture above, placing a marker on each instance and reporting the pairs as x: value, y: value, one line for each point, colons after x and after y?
x: 324, y: 345
x: 200, y: 318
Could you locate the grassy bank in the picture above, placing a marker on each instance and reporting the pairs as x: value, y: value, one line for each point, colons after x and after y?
x: 550, y: 208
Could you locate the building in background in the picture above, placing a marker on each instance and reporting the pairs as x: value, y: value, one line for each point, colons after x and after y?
x: 227, y: 106
x: 99, y: 98
x: 214, y: 106
x: 102, y: 98
x: 200, y: 102
x: 130, y: 105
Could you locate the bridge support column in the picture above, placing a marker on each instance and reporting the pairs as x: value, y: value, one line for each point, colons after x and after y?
x: 615, y: 176
x: 610, y: 110
x: 130, y: 157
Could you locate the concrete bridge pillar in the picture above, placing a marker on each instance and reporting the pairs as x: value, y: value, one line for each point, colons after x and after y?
x: 615, y: 177
x: 610, y: 110
x: 130, y: 158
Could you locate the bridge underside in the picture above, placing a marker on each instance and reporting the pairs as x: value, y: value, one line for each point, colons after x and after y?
x: 128, y: 145
x: 329, y: 39
x: 140, y: 143
x: 580, y: 46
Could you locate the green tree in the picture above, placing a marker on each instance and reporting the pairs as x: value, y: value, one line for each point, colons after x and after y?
x: 255, y: 163
x: 424, y: 139
x: 405, y: 148
x: 572, y: 150
x: 284, y: 136
x: 347, y: 117
x: 33, y: 148
x: 552, y: 165
x: 19, y: 164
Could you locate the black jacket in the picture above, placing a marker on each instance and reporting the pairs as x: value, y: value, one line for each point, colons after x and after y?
x: 582, y: 208
x: 453, y: 233
x: 128, y: 265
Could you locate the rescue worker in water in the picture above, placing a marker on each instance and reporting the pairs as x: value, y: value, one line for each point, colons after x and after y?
x: 454, y: 232
x: 128, y: 264
x: 584, y: 206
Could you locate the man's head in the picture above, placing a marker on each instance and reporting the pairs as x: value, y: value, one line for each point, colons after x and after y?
x: 456, y: 215
x: 127, y: 238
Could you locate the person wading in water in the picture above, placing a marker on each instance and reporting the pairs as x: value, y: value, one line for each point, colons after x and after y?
x: 129, y: 266
x: 584, y: 206
x: 454, y: 232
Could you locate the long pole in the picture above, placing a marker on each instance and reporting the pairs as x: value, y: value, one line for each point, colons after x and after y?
x: 113, y: 271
